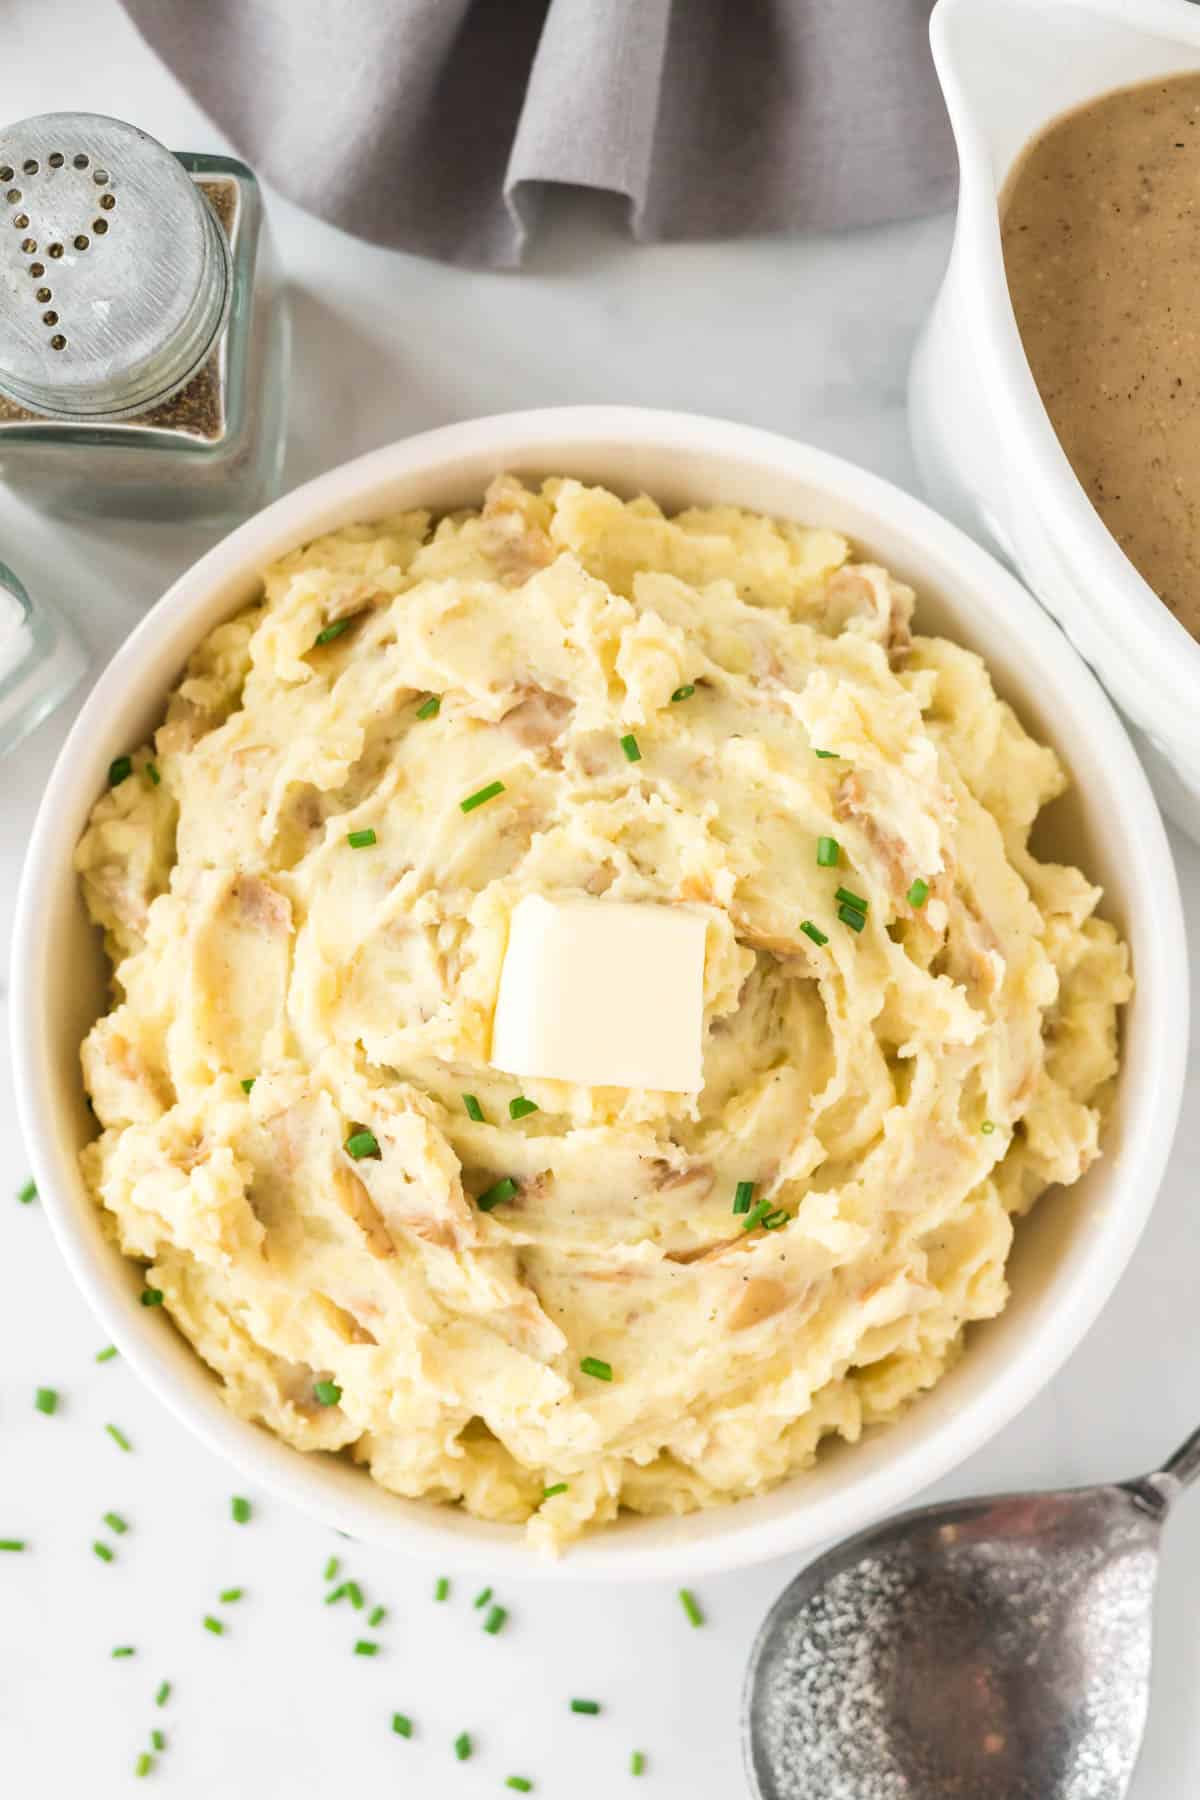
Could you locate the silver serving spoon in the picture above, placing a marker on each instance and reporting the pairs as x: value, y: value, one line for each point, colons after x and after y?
x: 984, y: 1650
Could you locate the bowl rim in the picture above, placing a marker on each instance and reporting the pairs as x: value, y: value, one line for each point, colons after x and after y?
x: 735, y: 1537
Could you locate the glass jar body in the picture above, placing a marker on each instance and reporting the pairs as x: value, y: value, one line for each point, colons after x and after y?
x: 213, y: 451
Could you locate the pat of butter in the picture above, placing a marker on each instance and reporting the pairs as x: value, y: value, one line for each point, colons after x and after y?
x: 609, y: 993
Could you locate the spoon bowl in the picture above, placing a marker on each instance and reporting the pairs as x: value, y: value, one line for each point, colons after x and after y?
x: 996, y: 1647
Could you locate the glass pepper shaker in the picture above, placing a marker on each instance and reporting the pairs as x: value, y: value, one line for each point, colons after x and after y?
x: 143, y: 332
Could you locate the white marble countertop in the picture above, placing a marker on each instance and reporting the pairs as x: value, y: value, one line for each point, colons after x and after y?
x: 810, y: 337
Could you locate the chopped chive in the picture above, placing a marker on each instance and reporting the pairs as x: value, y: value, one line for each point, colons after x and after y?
x: 331, y: 1569
x: 462, y: 1746
x: 495, y: 1620
x: 13, y: 1543
x: 216, y: 1626
x: 152, y: 774
x: 120, y: 770
x: 756, y: 1215
x: 503, y: 1189
x: 812, y: 931
x: 103, y: 1551
x: 629, y: 745
x: 585, y: 1706
x: 152, y: 1296
x: 335, y: 1594
x: 144, y: 1763
x: 520, y: 1108
x: 46, y: 1399
x: 248, y: 1084
x: 361, y: 840
x: 364, y: 1647
x: 774, y: 1220
x: 227, y: 1596
x: 116, y: 1523
x: 28, y: 1193
x: 473, y: 1109
x: 376, y: 1616
x: 830, y: 755
x: 124, y: 1650
x: 683, y: 693
x: 402, y: 1725
x: 157, y: 1739
x: 597, y: 1367
x: 520, y: 1784
x: 429, y: 709
x: 988, y: 1127
x: 239, y: 1510
x: 326, y: 1393
x: 560, y: 1487
x: 637, y: 1763
x: 163, y: 1694
x: 362, y: 1143
x: 327, y: 634
x: 355, y: 1595
x: 828, y: 851
x: 918, y: 893
x: 850, y: 915
x: 481, y: 796
x: 118, y: 1437
x: 854, y: 900
x: 442, y: 1590
x: 743, y: 1194
x: 107, y: 1354
x: 482, y: 1598
x: 691, y: 1606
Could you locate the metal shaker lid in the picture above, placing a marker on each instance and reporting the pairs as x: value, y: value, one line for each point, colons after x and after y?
x: 114, y: 274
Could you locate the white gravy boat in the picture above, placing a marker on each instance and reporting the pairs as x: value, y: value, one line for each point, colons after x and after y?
x: 983, y: 442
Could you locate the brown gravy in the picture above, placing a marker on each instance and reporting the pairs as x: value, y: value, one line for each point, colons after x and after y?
x: 1101, y: 228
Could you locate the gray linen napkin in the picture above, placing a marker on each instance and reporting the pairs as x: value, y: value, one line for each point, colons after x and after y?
x: 435, y: 125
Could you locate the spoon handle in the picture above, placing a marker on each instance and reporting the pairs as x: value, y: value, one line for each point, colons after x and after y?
x: 1180, y: 1469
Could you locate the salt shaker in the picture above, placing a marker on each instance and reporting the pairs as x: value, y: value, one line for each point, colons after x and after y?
x: 143, y: 332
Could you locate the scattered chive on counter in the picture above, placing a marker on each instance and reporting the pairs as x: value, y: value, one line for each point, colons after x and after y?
x: 495, y: 1620
x: 28, y: 1193
x: 365, y: 1647
x: 828, y: 851
x: 157, y: 1739
x: 13, y: 1543
x: 473, y: 1109
x: 151, y: 1296
x: 335, y: 1594
x: 629, y: 745
x: 46, y: 1400
x: 683, y: 693
x: 637, y: 1763
x: 743, y: 1194
x: 691, y: 1606
x: 362, y: 1143
x: 118, y: 1437
x: 918, y: 893
x: 520, y: 1784
x: 502, y: 1190
x: 442, y: 1590
x: 216, y: 1626
x: 402, y: 1725
x: 355, y: 1595
x: 239, y: 1510
x: 560, y: 1487
x: 331, y: 1569
x: 376, y: 1616
x: 119, y: 770
x: 227, y: 1596
x: 144, y: 1763
x: 597, y: 1368
x: 163, y: 1694
x: 462, y: 1746
x: 429, y: 709
x: 812, y: 931
x: 361, y: 840
x: 591, y: 1707
x: 107, y: 1354
x: 520, y: 1108
x: 326, y: 1393
x: 482, y: 1598
x: 481, y: 796
x: 124, y: 1650
x: 327, y: 634
x: 103, y: 1552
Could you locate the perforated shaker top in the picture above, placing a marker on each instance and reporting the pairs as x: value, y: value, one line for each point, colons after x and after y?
x: 114, y: 275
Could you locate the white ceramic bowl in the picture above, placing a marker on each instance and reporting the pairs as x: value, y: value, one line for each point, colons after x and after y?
x: 1069, y: 1253
x: 988, y: 454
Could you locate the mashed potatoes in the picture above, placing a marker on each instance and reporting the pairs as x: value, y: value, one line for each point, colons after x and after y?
x: 900, y: 1083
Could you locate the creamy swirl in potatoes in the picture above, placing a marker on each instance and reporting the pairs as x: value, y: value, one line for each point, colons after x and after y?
x: 307, y: 932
